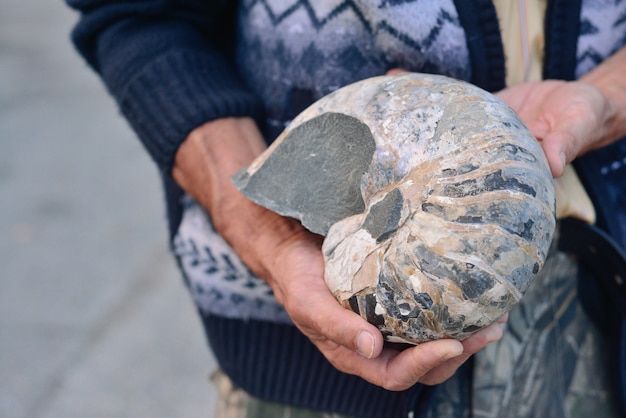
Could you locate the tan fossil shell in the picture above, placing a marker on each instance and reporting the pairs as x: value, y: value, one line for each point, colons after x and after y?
x: 437, y: 203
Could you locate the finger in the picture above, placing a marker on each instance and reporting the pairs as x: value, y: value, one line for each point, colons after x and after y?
x: 395, y: 71
x: 556, y: 146
x: 503, y: 318
x: 396, y: 370
x: 314, y: 310
x: 482, y: 338
x: 471, y: 346
x: 414, y: 364
x: 318, y: 314
x: 512, y: 98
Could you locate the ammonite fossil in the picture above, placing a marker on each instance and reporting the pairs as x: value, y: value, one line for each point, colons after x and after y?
x: 436, y: 202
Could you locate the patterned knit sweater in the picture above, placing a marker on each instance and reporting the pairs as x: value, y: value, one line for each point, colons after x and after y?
x: 173, y: 65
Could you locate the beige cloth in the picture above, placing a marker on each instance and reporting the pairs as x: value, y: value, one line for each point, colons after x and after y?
x: 521, y: 24
x: 521, y: 28
x: 234, y: 402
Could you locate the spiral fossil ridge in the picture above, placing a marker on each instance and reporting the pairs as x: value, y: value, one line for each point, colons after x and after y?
x: 435, y: 201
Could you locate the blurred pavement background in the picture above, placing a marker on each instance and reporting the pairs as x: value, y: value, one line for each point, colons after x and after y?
x: 94, y: 318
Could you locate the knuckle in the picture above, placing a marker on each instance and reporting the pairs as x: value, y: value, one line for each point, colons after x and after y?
x: 396, y: 386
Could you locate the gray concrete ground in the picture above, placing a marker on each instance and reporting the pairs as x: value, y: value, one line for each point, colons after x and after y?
x: 94, y: 319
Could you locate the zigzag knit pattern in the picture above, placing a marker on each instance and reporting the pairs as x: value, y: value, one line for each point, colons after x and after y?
x: 602, y: 32
x: 312, y: 48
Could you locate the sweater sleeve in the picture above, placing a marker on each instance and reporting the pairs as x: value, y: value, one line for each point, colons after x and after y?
x: 168, y: 64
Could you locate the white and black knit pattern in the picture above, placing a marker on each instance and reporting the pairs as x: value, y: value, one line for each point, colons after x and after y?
x: 602, y: 32
x: 218, y: 280
x: 293, y: 52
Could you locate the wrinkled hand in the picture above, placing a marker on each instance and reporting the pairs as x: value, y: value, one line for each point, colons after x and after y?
x: 289, y: 258
x: 350, y: 343
x: 571, y: 118
x: 568, y: 118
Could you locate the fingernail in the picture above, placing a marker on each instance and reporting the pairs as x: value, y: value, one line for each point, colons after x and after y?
x: 455, y: 353
x: 563, y: 158
x: 365, y: 344
x: 495, y: 333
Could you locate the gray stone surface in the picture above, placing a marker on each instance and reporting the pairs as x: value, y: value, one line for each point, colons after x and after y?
x: 314, y: 173
x: 94, y: 318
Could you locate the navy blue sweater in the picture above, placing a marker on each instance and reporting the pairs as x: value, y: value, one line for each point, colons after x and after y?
x: 172, y: 66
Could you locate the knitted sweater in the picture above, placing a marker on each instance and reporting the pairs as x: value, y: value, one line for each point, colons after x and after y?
x: 174, y: 65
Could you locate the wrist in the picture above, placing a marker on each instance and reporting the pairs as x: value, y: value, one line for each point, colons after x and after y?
x: 203, y: 167
x: 258, y: 235
x: 608, y: 79
x: 211, y: 154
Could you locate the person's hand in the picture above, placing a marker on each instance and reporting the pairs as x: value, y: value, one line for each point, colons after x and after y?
x: 568, y: 118
x: 571, y: 118
x: 350, y: 343
x: 289, y: 258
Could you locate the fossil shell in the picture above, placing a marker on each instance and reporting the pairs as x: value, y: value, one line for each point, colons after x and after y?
x: 436, y: 202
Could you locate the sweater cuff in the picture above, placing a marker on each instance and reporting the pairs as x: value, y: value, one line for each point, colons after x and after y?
x: 178, y: 92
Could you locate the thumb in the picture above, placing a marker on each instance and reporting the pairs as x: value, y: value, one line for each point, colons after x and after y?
x: 337, y: 325
x: 564, y: 142
x: 556, y: 153
x: 395, y: 71
x: 328, y: 324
